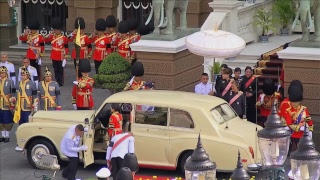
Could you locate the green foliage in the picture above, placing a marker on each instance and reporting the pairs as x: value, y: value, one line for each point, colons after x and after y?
x: 216, y: 68
x: 263, y: 19
x: 285, y: 11
x: 114, y: 73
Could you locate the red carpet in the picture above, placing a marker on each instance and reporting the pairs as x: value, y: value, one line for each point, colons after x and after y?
x: 137, y: 177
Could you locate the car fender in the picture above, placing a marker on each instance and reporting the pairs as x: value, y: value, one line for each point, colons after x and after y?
x: 52, y: 131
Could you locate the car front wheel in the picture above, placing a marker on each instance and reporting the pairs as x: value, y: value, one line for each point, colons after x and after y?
x: 37, y: 149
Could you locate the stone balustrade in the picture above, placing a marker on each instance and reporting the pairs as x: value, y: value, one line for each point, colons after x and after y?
x: 236, y: 17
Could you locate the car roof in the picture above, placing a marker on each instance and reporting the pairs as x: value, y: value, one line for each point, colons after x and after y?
x: 177, y: 99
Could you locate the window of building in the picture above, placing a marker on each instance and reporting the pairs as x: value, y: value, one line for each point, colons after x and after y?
x: 151, y: 115
x: 180, y: 118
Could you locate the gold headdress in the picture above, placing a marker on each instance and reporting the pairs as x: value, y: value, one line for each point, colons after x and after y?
x: 47, y: 72
x: 24, y: 71
x: 3, y: 69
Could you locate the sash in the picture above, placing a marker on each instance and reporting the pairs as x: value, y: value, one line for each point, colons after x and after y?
x: 53, y: 41
x: 249, y: 82
x: 124, y: 41
x: 46, y: 93
x: 23, y: 92
x: 119, y: 142
x: 234, y: 98
x: 226, y: 89
x: 99, y: 39
x: 32, y: 38
x: 133, y: 37
x: 110, y: 35
x: 299, y: 118
x: 6, y: 100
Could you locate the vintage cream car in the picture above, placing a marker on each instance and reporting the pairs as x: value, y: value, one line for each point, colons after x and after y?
x: 165, y: 124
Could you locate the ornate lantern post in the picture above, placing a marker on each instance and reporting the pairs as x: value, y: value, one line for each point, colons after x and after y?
x: 274, y: 142
x: 305, y: 161
x: 199, y: 166
x: 239, y: 173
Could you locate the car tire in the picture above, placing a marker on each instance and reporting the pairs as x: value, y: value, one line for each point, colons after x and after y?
x: 37, y: 148
x: 184, y: 158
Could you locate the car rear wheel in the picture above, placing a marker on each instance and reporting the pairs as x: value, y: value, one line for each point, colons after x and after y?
x: 37, y: 149
x: 184, y: 158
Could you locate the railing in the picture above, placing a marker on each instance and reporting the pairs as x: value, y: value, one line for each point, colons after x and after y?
x: 246, y: 29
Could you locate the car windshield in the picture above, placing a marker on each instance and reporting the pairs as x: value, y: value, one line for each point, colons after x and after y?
x: 223, y: 113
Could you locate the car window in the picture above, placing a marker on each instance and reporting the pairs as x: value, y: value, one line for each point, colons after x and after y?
x: 180, y: 118
x: 152, y: 115
x: 223, y: 113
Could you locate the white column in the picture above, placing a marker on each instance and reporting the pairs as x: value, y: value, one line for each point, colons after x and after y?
x: 19, y: 21
x: 119, y: 10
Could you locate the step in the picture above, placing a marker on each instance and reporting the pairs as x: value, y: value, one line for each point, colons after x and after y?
x: 267, y: 71
x: 265, y: 76
x: 270, y: 63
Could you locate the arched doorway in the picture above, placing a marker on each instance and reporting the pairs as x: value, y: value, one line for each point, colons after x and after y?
x: 44, y: 11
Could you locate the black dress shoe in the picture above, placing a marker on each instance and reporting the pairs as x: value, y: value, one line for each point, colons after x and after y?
x: 2, y: 139
x: 6, y: 140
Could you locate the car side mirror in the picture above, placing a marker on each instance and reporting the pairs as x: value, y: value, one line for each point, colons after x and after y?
x: 86, y: 121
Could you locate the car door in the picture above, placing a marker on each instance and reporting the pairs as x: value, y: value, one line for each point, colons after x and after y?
x: 88, y: 139
x: 150, y: 129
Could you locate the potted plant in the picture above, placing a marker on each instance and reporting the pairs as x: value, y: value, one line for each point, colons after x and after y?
x: 263, y: 19
x: 215, y: 70
x: 114, y: 73
x: 285, y: 11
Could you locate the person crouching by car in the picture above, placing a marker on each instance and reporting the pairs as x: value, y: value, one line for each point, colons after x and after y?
x: 70, y: 148
x: 119, y: 146
x: 124, y: 174
x: 236, y: 99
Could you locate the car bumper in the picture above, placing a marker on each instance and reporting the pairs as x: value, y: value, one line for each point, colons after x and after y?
x: 254, y: 167
x: 19, y: 149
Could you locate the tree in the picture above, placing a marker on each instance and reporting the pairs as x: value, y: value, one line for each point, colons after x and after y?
x: 114, y: 73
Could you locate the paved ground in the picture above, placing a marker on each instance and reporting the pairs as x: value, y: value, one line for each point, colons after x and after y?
x: 14, y: 166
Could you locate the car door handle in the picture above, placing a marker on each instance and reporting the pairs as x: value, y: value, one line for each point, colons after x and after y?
x: 147, y: 129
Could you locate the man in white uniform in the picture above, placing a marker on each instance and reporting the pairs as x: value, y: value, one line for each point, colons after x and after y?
x: 70, y: 148
x: 33, y: 71
x: 119, y: 146
x: 204, y: 87
x: 9, y: 66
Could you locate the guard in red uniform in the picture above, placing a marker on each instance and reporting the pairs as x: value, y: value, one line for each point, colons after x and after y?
x: 36, y: 45
x: 86, y: 46
x: 134, y: 36
x: 115, y: 121
x: 297, y: 115
x: 102, y: 44
x: 111, y: 32
x: 266, y: 99
x: 60, y: 50
x: 136, y: 83
x: 123, y: 41
x: 82, y: 89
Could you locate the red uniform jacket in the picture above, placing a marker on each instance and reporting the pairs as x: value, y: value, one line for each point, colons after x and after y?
x: 102, y: 47
x: 85, y: 46
x: 124, y: 47
x: 115, y: 124
x: 82, y: 93
x: 113, y: 40
x: 265, y: 104
x: 133, y: 39
x: 36, y: 45
x: 59, y: 45
x: 295, y: 116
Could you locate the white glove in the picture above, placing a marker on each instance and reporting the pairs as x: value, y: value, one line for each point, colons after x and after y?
x: 86, y: 129
x: 74, y: 106
x: 64, y: 62
x: 84, y: 148
x: 302, y: 128
x: 39, y: 61
x: 75, y: 82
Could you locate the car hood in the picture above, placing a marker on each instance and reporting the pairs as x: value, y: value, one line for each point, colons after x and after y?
x: 246, y: 131
x: 63, y: 116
